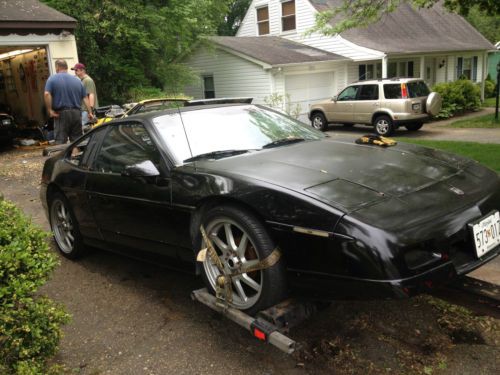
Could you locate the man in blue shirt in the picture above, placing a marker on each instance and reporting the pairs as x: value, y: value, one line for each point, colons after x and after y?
x: 63, y: 96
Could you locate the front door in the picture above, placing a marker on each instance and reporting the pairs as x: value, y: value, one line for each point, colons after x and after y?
x: 131, y: 212
x: 341, y: 109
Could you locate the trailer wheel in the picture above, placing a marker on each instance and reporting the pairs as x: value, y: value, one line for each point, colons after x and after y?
x: 240, y: 239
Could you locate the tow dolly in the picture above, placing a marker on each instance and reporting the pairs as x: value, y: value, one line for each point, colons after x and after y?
x: 270, y: 325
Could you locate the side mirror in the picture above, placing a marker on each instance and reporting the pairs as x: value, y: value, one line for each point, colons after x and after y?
x: 334, y: 98
x: 142, y: 169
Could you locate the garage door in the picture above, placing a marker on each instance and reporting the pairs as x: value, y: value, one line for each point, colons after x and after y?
x: 305, y: 89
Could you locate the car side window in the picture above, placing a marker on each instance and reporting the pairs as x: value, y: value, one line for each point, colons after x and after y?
x: 82, y: 151
x: 125, y: 145
x: 349, y: 93
x: 368, y: 92
x: 392, y: 91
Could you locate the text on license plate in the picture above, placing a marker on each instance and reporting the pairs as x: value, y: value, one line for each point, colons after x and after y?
x: 486, y: 233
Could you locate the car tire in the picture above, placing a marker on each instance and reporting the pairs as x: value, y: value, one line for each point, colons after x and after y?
x: 240, y: 239
x: 383, y: 125
x: 318, y: 121
x: 414, y: 127
x: 65, y: 227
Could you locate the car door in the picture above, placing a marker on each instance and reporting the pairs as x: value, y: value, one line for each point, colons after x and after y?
x: 133, y: 212
x: 366, y: 103
x: 340, y: 110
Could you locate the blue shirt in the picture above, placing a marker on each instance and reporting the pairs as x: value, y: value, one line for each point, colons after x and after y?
x: 67, y: 91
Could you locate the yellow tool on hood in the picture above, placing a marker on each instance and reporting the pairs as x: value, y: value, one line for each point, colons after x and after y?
x: 373, y: 139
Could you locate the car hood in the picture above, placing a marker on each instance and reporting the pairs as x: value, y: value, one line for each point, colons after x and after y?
x: 345, y: 175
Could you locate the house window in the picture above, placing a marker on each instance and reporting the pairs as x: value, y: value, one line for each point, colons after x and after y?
x: 263, y: 20
x: 208, y: 87
x: 467, y: 68
x: 288, y: 15
x: 392, y: 70
x: 369, y: 71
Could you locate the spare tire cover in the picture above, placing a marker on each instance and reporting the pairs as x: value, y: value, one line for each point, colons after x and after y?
x: 433, y: 103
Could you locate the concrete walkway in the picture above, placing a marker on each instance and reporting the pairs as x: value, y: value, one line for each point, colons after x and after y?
x: 436, y: 130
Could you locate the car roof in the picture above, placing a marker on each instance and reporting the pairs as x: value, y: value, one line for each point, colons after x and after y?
x: 386, y: 80
x: 154, y: 114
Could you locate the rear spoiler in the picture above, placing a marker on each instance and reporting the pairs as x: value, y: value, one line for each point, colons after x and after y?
x: 218, y: 101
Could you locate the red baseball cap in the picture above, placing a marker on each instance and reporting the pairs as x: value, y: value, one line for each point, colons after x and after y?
x: 78, y: 66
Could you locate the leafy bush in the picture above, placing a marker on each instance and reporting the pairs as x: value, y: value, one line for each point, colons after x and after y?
x: 458, y: 97
x: 489, y: 87
x: 29, y: 324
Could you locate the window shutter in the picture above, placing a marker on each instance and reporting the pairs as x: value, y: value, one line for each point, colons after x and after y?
x: 474, y: 69
x: 362, y: 72
x: 459, y: 67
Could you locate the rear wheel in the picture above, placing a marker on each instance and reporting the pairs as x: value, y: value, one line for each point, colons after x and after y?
x: 65, y: 227
x: 241, y: 241
x: 318, y: 121
x: 414, y: 127
x: 383, y: 125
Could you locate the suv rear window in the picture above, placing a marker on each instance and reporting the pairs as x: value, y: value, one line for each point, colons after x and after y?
x: 417, y: 89
x: 392, y: 91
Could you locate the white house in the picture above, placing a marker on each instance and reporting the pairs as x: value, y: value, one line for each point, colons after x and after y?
x: 434, y: 44
x: 32, y: 37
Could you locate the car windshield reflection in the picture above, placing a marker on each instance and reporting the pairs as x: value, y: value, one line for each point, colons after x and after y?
x: 239, y: 127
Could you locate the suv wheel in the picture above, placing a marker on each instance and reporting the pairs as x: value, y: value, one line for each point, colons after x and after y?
x: 318, y: 121
x: 414, y: 127
x: 383, y: 125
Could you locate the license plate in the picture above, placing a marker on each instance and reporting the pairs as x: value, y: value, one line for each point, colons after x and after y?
x: 486, y: 233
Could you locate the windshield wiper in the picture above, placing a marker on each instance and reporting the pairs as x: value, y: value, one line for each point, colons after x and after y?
x: 283, y: 141
x: 216, y: 155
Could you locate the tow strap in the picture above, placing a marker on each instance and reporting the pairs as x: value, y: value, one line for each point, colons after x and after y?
x: 223, y: 288
x: 378, y: 140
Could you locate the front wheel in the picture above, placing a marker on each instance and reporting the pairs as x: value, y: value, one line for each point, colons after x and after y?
x: 241, y: 241
x: 65, y: 227
x: 383, y: 125
x: 318, y: 121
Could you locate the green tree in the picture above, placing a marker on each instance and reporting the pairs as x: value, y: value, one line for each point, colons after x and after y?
x: 129, y: 44
x: 486, y: 24
x: 358, y: 13
x: 232, y: 20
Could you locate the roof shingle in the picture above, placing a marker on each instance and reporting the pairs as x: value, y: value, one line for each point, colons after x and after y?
x: 274, y: 50
x: 408, y: 30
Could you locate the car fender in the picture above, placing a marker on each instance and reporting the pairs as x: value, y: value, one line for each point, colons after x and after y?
x: 314, y: 110
x: 384, y: 112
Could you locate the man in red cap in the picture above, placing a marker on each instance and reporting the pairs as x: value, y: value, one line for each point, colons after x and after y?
x: 88, y: 83
x: 63, y: 98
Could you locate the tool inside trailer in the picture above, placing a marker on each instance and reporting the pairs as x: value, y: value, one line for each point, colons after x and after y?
x: 270, y: 325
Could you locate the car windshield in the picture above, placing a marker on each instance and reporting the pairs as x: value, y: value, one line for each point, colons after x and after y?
x: 240, y: 127
x: 417, y: 89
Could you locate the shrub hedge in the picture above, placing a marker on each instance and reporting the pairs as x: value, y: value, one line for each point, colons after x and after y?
x: 458, y: 96
x: 30, y: 325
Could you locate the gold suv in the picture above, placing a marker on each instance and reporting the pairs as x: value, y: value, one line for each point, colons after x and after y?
x: 385, y: 103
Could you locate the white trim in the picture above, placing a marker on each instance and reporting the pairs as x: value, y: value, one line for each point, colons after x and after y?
x: 292, y: 31
x: 259, y: 6
x: 357, y: 47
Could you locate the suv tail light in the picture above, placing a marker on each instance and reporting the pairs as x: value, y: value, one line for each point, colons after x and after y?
x: 404, y: 91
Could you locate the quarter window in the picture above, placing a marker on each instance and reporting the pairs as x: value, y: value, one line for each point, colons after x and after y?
x: 125, y: 145
x: 85, y: 150
x: 392, y: 91
x: 263, y: 20
x: 288, y: 15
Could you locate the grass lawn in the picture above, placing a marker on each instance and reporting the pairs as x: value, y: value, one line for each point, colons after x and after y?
x: 486, y: 121
x: 489, y: 102
x: 487, y: 154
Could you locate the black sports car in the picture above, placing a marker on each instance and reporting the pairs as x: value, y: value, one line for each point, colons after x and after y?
x: 285, y: 208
